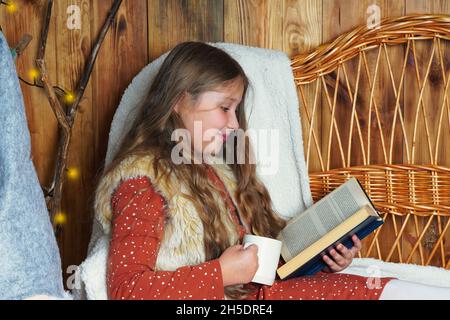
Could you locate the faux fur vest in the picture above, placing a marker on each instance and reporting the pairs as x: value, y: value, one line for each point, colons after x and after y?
x: 182, y: 243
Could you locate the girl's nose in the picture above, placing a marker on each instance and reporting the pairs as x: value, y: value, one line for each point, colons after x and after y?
x: 233, y: 122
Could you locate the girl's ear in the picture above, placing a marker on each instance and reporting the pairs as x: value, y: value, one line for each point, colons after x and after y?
x: 179, y: 104
x: 176, y: 108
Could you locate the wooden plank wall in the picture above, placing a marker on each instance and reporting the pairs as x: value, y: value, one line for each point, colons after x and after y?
x: 143, y: 30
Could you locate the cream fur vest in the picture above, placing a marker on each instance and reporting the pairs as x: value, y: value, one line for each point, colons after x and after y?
x: 182, y: 243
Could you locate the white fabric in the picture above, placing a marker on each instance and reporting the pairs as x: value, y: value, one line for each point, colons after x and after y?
x: 405, y: 290
x: 428, y: 275
x: 93, y: 272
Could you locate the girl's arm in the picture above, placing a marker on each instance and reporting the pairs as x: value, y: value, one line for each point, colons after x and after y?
x: 138, y: 226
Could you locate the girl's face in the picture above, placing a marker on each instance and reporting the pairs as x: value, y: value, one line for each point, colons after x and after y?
x: 211, y: 118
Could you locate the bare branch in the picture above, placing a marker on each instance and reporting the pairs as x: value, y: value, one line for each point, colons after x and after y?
x: 23, y: 44
x: 53, y: 195
x: 44, y: 32
x: 52, y: 98
x: 59, y: 177
x: 92, y: 57
x: 66, y: 120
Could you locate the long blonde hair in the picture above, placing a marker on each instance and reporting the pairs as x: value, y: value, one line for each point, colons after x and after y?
x: 194, y: 68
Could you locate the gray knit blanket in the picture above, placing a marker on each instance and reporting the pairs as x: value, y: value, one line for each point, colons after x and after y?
x: 29, y: 257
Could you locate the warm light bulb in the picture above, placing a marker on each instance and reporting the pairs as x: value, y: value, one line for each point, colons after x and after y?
x: 60, y: 218
x: 33, y: 74
x: 11, y: 7
x: 73, y: 173
x: 70, y: 97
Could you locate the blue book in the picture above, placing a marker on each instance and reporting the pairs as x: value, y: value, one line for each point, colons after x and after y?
x: 334, y: 219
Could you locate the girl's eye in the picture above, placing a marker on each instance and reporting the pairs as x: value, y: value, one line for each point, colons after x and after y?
x: 225, y: 109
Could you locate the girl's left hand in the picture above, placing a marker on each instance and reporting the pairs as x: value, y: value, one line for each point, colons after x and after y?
x: 342, y: 257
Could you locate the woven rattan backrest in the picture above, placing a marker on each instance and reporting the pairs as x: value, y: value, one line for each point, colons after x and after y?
x: 375, y: 105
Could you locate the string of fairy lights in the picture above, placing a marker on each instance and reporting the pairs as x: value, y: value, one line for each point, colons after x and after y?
x: 73, y: 173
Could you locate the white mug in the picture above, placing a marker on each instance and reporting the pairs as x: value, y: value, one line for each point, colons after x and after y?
x: 268, y: 257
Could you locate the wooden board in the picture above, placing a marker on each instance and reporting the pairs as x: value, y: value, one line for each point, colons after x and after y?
x: 73, y: 47
x: 301, y: 34
x: 193, y: 20
x: 122, y: 56
x: 433, y: 92
x: 254, y: 23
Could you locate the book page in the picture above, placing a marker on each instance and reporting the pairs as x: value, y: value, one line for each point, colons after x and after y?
x: 322, y: 217
x: 348, y: 198
x: 298, y: 236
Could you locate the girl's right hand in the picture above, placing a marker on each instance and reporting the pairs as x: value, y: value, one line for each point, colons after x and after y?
x: 239, y: 265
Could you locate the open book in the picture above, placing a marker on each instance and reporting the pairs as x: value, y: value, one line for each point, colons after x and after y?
x: 334, y: 219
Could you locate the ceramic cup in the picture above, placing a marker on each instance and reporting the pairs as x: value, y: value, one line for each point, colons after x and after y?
x: 268, y: 257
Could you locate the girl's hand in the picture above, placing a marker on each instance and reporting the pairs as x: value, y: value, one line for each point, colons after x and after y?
x: 239, y: 265
x: 343, y: 258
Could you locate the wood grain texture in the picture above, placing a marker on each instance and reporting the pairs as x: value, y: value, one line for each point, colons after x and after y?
x: 433, y: 102
x: 434, y: 87
x: 302, y: 26
x: 302, y: 32
x: 122, y: 56
x: 174, y: 21
x: 73, y: 47
x: 254, y: 23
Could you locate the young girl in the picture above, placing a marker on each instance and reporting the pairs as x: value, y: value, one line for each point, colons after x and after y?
x: 177, y: 217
